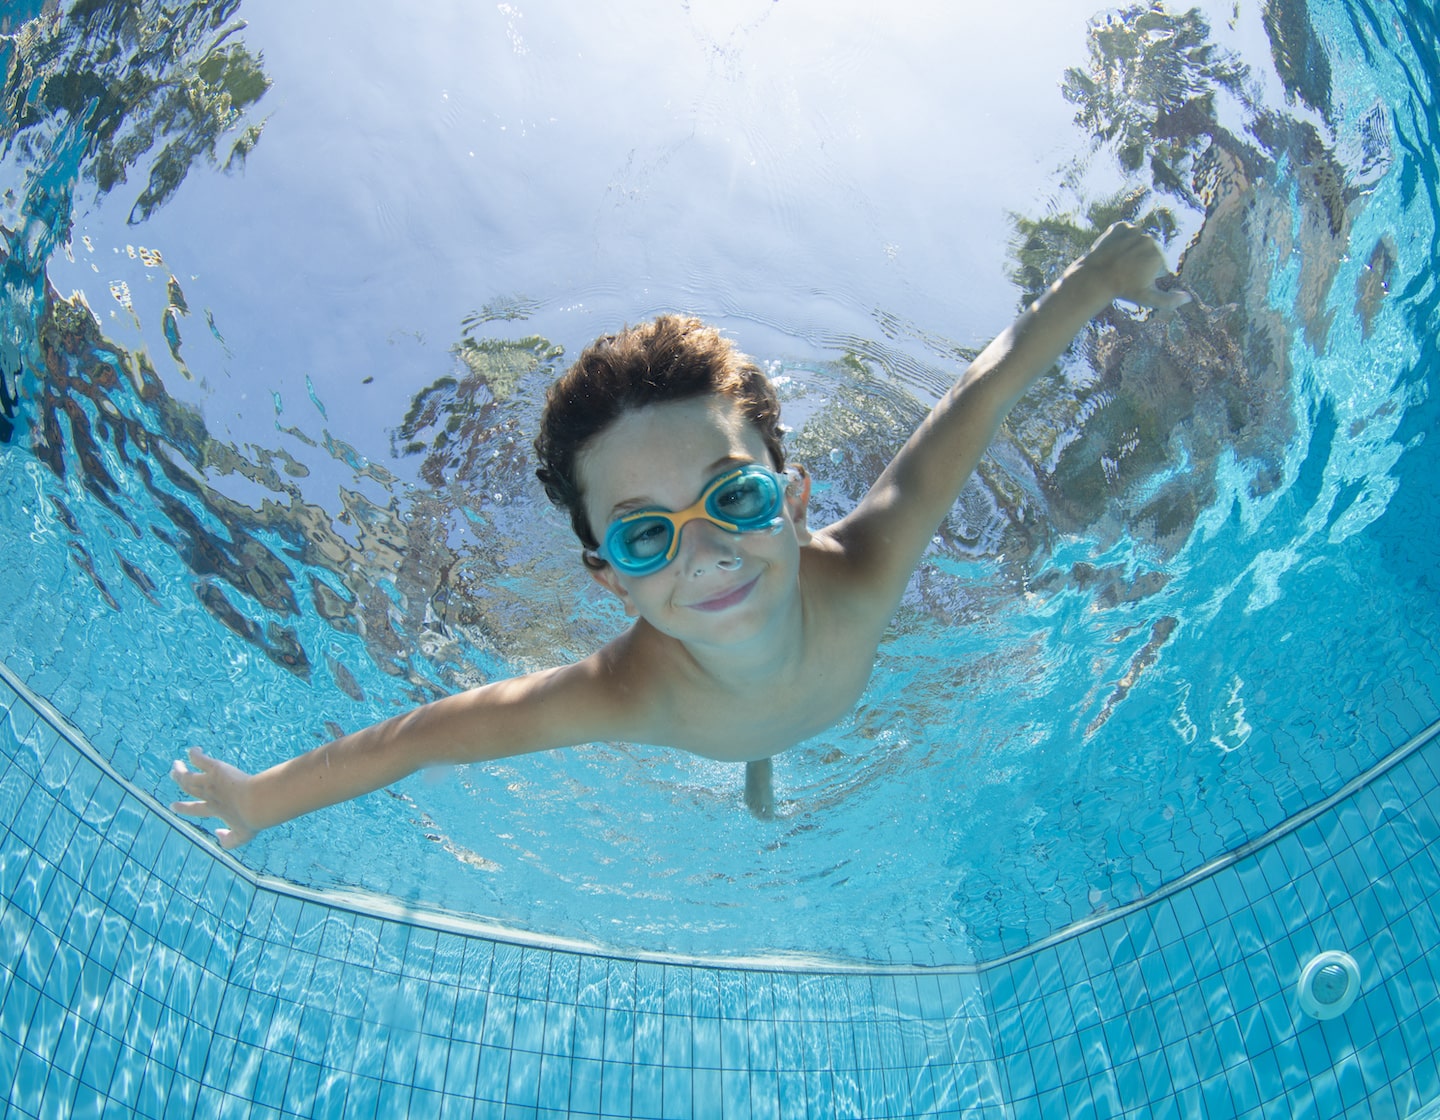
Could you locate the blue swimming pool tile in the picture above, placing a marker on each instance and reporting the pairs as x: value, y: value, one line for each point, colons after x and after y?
x: 529, y: 1025
x: 402, y: 1055
x: 1094, y: 1051
x: 1180, y: 969
x: 147, y: 834
x: 55, y: 835
x: 1260, y: 971
x: 912, y: 1091
x: 1002, y: 985
x: 115, y: 1010
x: 1145, y: 1030
x: 256, y: 1019
x: 764, y: 1054
x: 592, y: 981
x: 648, y: 1037
x: 1059, y: 1015
x: 382, y: 990
x: 363, y: 943
x: 41, y: 1032
x: 1018, y: 1075
x: 1180, y: 1058
x: 760, y: 996
x: 419, y: 955
x: 245, y: 963
x: 334, y: 929
x: 1254, y: 1030
x: 764, y: 1095
x: 363, y: 1099
x: 677, y: 1038
x: 615, y: 1085
x: 1156, y: 1071
x: 1279, y: 1020
x: 467, y: 1022
x: 26, y: 891
x: 1047, y: 974
x: 1404, y: 993
x: 124, y: 1087
x: 1129, y: 1083
x: 29, y: 740
x: 1045, y: 1062
x: 28, y: 822
x: 1413, y: 1029
x: 393, y: 1099
x: 811, y: 1040
x: 73, y: 1036
x: 647, y: 1091
x: 1034, y: 1027
x: 214, y: 886
x: 734, y: 1044
x: 296, y: 975
x: 35, y: 1081
x: 234, y: 907
x: 15, y: 787
x: 534, y: 979
x: 588, y: 1033
x: 555, y: 1083
x: 391, y: 942
x: 620, y: 983
x: 407, y: 1006
x: 37, y: 951
x: 1194, y: 1015
x: 341, y: 988
x: 1204, y: 956
x: 619, y: 1036
x: 869, y: 1053
x: 492, y: 1073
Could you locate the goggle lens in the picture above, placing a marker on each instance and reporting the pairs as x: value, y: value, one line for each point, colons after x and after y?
x: 740, y: 501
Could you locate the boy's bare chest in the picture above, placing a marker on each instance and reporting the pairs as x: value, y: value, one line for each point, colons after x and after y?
x: 771, y: 714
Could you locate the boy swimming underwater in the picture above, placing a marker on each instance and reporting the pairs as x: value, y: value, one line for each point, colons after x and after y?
x: 752, y: 631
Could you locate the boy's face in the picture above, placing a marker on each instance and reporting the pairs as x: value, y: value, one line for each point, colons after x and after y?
x: 721, y: 587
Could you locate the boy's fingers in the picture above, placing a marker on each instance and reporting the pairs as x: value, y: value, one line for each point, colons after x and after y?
x: 186, y: 778
x: 233, y: 837
x: 1168, y: 300
x: 191, y: 808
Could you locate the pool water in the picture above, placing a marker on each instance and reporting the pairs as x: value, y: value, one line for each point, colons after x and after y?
x: 266, y: 459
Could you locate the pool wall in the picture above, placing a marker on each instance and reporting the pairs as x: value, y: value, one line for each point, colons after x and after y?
x: 146, y: 974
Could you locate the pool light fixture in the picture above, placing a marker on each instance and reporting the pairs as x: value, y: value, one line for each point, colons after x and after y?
x: 1328, y: 984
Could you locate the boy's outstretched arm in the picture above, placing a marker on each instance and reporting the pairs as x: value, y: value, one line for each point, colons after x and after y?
x: 555, y: 708
x: 886, y: 534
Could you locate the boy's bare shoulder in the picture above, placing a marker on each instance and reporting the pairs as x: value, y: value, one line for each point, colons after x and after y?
x: 840, y: 574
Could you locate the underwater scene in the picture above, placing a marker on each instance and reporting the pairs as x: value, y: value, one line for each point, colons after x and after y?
x: 283, y: 290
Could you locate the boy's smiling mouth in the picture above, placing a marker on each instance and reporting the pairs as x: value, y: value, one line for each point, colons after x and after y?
x: 727, y: 599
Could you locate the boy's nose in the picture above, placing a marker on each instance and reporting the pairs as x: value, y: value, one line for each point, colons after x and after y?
x: 703, y: 544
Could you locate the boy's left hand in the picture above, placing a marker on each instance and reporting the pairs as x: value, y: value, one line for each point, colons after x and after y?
x: 1128, y: 262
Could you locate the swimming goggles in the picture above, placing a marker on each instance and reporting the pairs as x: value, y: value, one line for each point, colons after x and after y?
x: 744, y: 500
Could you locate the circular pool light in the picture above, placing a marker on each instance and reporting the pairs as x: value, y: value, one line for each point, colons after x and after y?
x: 1329, y: 984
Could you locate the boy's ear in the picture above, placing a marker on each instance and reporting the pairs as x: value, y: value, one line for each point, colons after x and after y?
x: 607, y: 579
x: 797, y: 500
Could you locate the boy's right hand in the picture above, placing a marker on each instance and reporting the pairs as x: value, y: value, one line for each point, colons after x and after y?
x: 220, y: 790
x: 1126, y: 262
